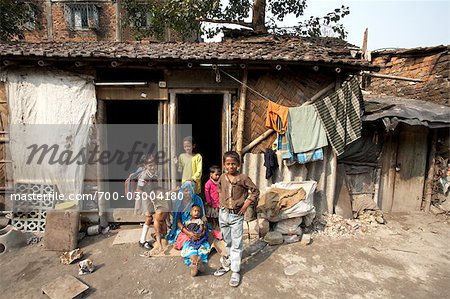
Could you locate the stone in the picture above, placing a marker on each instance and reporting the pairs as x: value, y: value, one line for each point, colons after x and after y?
x: 263, y: 227
x: 292, y: 269
x: 251, y: 228
x: 274, y: 238
x: 61, y: 230
x: 306, y: 239
x: 288, y: 239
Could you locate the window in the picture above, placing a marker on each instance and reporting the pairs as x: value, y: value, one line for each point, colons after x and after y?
x: 81, y: 16
x: 143, y: 20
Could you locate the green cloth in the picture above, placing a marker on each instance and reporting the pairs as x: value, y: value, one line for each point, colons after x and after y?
x: 305, y: 129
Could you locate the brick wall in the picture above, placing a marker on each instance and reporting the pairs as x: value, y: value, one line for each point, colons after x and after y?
x: 430, y: 65
x: 105, y: 32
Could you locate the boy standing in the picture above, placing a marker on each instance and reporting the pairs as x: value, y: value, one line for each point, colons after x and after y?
x: 233, y: 188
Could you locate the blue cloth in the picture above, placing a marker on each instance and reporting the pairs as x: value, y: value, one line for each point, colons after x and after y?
x: 182, y: 210
x: 202, y: 252
x: 311, y: 156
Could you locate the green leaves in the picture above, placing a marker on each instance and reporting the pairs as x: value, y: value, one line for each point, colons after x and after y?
x: 185, y: 16
x: 15, y: 18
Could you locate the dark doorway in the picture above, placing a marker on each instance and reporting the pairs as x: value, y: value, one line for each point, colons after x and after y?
x: 204, y: 112
x: 132, y: 128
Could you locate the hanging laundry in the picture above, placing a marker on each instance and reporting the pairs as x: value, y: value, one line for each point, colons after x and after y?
x: 271, y: 163
x: 277, y: 112
x: 311, y: 156
x: 305, y: 129
x: 284, y: 147
x: 341, y: 113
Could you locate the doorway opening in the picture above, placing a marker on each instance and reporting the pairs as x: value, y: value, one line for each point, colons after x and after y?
x: 131, y: 125
x: 204, y: 112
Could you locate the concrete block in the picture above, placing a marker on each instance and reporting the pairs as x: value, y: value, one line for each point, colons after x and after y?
x: 61, y: 230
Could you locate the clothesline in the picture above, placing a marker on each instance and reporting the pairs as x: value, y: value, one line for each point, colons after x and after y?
x: 255, y: 91
x: 242, y: 83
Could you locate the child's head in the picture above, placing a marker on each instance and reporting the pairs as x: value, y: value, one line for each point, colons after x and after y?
x: 188, y: 145
x: 231, y: 162
x: 196, y: 211
x: 150, y: 163
x: 214, y: 172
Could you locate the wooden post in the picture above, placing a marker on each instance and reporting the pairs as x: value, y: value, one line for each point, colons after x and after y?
x: 428, y: 188
x: 332, y: 176
x: 364, y: 46
x: 173, y: 139
x: 101, y: 171
x: 241, y: 113
x: 226, y: 122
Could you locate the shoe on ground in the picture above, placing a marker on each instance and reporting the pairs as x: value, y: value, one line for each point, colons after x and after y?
x: 235, y: 279
x: 146, y: 245
x: 221, y: 271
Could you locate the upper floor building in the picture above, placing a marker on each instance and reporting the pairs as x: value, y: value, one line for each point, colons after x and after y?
x: 83, y: 20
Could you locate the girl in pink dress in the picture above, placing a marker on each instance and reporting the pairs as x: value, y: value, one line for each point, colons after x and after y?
x: 212, y: 200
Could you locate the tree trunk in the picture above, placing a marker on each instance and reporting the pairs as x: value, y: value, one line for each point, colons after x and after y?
x: 259, y: 16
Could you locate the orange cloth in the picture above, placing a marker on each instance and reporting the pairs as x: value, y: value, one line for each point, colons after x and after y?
x: 275, y: 111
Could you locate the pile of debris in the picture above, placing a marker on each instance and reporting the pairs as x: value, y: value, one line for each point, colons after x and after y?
x: 333, y: 226
x: 441, y: 185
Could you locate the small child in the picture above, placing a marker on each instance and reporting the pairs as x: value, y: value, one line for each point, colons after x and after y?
x: 190, y: 164
x: 233, y: 190
x: 212, y: 200
x: 195, y: 225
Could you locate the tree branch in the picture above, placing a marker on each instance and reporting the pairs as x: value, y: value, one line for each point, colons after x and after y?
x: 241, y: 23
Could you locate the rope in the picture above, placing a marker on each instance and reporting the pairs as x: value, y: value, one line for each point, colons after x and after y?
x: 242, y: 83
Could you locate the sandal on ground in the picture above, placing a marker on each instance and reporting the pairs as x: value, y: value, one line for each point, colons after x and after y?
x: 235, y: 279
x: 145, y: 245
x: 221, y: 271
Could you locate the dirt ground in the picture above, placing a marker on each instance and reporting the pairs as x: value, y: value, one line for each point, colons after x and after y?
x: 409, y: 257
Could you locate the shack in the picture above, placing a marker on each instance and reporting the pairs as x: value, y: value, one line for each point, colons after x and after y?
x: 222, y: 89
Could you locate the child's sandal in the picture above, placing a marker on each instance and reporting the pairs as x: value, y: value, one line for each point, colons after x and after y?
x: 221, y: 271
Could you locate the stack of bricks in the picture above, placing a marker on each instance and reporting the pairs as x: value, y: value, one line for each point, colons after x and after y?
x: 428, y: 64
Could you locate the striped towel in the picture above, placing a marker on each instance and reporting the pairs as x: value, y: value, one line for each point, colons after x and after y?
x: 341, y: 114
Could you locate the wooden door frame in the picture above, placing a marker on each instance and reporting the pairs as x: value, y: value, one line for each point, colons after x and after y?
x: 226, y: 121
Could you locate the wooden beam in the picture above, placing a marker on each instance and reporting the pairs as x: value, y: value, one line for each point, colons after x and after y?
x: 150, y: 92
x: 241, y: 112
x: 428, y: 188
x: 257, y: 140
x: 393, y: 77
